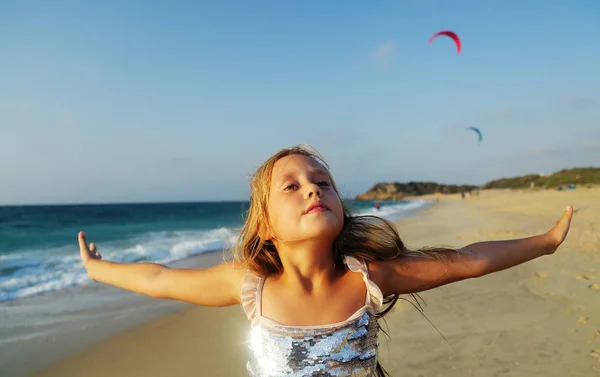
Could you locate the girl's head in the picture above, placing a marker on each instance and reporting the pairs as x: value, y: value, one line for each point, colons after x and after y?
x: 282, y: 190
x: 302, y: 203
x: 293, y: 199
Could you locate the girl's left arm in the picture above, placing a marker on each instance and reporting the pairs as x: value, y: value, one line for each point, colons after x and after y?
x: 415, y: 274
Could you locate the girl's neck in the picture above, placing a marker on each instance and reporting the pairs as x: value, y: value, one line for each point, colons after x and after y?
x: 309, y: 266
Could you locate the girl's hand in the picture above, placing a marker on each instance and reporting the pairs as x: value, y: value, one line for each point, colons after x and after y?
x: 87, y: 253
x: 558, y: 233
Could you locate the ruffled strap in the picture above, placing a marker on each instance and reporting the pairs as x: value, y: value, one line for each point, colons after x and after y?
x: 250, y: 294
x: 374, y: 294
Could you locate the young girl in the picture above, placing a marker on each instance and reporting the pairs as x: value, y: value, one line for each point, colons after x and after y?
x: 312, y: 277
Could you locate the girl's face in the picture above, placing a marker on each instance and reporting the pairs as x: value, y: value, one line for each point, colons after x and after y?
x: 302, y: 202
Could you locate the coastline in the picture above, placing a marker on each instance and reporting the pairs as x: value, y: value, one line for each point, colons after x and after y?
x: 540, y: 318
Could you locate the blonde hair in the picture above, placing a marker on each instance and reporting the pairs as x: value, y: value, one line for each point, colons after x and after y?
x: 369, y: 238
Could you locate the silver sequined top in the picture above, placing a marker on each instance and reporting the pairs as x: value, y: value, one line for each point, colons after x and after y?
x: 347, y: 348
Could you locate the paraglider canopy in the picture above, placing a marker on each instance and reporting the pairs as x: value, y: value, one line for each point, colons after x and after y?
x: 449, y: 34
x: 475, y: 129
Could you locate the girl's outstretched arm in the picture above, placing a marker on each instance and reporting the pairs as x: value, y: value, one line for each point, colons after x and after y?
x: 413, y: 274
x: 215, y: 286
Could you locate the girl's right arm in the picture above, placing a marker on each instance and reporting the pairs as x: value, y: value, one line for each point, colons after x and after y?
x: 216, y: 286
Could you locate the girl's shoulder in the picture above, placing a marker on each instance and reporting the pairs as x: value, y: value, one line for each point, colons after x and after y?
x: 379, y: 273
x: 367, y: 269
x: 233, y: 273
x: 374, y: 271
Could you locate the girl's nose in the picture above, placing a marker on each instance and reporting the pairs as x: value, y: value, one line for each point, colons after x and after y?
x: 314, y: 190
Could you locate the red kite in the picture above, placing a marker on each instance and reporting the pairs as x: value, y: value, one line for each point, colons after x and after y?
x: 449, y: 34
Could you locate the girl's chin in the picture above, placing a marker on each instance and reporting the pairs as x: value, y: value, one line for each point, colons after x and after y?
x: 322, y: 231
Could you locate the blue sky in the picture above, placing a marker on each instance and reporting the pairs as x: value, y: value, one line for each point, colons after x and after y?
x: 127, y: 101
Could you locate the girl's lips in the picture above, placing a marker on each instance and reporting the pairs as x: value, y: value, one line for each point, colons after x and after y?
x: 317, y: 210
x: 316, y: 207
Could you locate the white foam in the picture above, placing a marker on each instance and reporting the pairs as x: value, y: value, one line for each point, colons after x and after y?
x: 62, y: 267
x: 394, y: 211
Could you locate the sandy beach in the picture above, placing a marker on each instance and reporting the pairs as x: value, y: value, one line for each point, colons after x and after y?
x: 538, y: 319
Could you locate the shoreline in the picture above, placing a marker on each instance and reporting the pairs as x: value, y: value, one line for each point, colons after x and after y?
x: 96, y: 312
x: 540, y: 318
x: 53, y: 325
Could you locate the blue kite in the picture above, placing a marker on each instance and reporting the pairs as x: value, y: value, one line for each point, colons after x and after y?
x: 478, y: 132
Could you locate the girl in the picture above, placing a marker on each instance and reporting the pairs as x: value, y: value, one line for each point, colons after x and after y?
x: 312, y: 278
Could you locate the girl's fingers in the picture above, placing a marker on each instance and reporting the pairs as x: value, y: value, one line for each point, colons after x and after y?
x: 83, y: 247
x: 94, y: 251
x: 561, y: 227
x: 85, y: 251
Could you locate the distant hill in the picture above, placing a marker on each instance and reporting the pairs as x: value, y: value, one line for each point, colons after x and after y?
x: 576, y: 176
x: 397, y: 191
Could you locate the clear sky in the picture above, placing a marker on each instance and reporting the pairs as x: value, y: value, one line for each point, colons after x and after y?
x: 127, y: 101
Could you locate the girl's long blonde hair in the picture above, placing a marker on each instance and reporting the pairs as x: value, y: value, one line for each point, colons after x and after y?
x: 369, y: 238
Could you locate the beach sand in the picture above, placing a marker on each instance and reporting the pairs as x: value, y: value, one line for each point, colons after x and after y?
x: 540, y: 318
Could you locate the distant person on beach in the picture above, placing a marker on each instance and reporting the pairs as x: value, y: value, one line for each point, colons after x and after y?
x: 312, y: 277
x: 377, y: 205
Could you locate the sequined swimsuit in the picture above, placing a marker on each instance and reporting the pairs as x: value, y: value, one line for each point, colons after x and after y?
x: 347, y: 348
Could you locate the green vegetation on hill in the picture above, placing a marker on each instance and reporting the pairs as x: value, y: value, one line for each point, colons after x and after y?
x: 565, y: 177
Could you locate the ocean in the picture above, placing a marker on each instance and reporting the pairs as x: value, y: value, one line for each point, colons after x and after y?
x: 46, y: 298
x: 38, y: 244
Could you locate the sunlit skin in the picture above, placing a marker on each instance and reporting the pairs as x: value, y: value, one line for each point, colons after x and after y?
x: 303, y: 241
x: 311, y: 289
